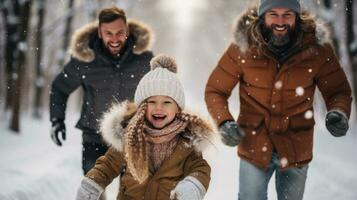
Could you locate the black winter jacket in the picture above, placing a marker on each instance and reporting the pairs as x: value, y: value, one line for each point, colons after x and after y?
x: 103, y: 78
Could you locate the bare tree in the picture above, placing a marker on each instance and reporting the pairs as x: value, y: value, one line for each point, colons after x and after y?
x: 327, y: 4
x: 67, y: 32
x: 351, y: 42
x: 2, y: 63
x: 39, y: 79
x: 19, y: 62
x: 10, y: 10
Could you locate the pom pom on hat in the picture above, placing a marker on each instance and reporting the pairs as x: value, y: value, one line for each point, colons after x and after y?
x: 161, y: 80
x: 164, y: 61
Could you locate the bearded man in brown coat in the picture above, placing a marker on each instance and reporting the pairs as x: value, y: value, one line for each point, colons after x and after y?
x: 279, y: 56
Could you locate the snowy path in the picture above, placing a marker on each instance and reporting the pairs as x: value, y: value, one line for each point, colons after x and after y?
x: 32, y: 167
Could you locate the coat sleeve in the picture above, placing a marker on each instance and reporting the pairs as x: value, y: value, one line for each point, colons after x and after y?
x: 198, y: 167
x: 333, y: 84
x: 62, y: 86
x: 220, y: 84
x: 107, y: 167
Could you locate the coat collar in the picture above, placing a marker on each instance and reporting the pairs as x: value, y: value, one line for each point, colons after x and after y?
x: 81, y: 50
x: 244, y: 35
x: 113, y: 123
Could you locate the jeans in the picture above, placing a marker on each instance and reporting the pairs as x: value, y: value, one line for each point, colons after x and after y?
x: 253, y: 181
x: 93, y: 148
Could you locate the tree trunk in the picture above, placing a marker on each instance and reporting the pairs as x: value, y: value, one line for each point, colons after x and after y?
x: 328, y: 6
x: 11, y: 12
x: 20, y: 56
x: 39, y: 79
x: 67, y: 33
x: 352, y: 50
x: 2, y: 58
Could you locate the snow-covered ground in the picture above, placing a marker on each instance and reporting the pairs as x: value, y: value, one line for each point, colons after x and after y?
x: 33, y: 167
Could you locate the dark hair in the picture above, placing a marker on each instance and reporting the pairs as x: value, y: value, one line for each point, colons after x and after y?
x: 111, y: 14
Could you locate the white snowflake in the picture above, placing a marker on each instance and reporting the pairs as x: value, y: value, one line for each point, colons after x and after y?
x: 299, y: 91
x: 278, y: 85
x: 284, y: 162
x: 309, y: 114
x: 264, y: 149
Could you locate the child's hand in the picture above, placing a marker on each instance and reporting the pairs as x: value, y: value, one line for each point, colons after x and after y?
x: 89, y: 190
x: 188, y: 189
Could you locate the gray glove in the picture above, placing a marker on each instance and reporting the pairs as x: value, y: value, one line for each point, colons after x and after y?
x: 231, y: 133
x: 337, y: 123
x: 188, y: 189
x: 58, y: 127
x: 89, y: 190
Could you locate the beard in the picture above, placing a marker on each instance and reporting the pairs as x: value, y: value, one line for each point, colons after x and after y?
x: 279, y: 40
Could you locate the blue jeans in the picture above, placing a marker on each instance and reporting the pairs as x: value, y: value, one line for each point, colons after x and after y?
x: 253, y: 181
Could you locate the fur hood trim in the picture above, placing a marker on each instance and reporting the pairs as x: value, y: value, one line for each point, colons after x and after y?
x: 79, y: 47
x: 112, y: 123
x: 249, y: 18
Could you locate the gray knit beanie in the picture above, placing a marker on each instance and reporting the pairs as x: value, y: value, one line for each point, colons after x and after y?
x: 161, y: 80
x: 265, y: 5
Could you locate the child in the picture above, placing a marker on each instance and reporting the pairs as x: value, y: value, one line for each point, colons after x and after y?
x: 154, y: 146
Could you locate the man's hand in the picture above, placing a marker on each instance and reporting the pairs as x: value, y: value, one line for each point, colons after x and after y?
x: 58, y: 127
x: 231, y: 133
x: 336, y: 123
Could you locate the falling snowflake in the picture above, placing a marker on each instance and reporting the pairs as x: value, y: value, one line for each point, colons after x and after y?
x: 284, y: 162
x: 65, y: 75
x: 132, y: 76
x: 299, y: 91
x: 83, y: 77
x: 278, y: 85
x: 264, y: 149
x: 308, y: 114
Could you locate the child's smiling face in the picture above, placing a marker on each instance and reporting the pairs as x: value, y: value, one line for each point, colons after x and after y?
x: 161, y: 111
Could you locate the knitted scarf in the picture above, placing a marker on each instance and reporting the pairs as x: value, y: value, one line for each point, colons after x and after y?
x: 163, y: 141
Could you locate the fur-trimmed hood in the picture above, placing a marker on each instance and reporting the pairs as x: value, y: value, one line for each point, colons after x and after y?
x: 246, y: 33
x: 113, y: 123
x: 80, y: 48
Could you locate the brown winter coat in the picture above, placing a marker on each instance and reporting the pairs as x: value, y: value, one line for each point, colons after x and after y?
x: 272, y: 112
x: 186, y: 160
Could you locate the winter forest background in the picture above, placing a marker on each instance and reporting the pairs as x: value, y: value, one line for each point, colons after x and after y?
x: 34, y: 37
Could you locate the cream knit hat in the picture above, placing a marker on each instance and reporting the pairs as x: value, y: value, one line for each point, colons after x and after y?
x: 161, y: 80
